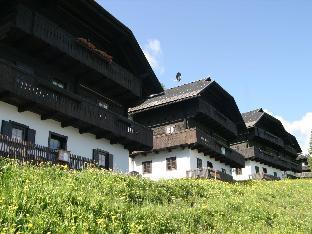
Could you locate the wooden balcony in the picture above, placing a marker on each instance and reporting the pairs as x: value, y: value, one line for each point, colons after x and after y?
x: 54, y: 40
x: 268, y: 137
x: 198, y: 139
x: 217, y: 118
x: 291, y: 150
x: 255, y: 153
x: 29, y: 93
x: 207, y: 173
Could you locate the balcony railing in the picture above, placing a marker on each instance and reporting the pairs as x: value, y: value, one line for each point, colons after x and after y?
x: 291, y: 150
x: 202, y: 141
x: 264, y: 176
x: 74, y: 110
x: 42, y: 28
x: 217, y: 116
x: 269, y: 137
x: 269, y: 158
x: 36, y: 154
x: 207, y: 173
x: 304, y: 175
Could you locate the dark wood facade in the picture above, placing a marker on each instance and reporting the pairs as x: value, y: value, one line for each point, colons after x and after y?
x: 207, y: 121
x: 268, y: 142
x: 73, y: 62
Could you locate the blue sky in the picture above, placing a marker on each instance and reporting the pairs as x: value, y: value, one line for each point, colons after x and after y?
x: 259, y: 51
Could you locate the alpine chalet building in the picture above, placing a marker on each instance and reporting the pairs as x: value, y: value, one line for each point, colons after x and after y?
x: 69, y: 71
x: 193, y: 126
x: 270, y: 151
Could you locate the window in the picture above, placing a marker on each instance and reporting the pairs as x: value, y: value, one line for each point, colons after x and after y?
x: 275, y: 174
x: 264, y: 170
x: 169, y: 129
x: 18, y: 131
x: 257, y: 169
x: 199, y: 163
x: 223, y: 170
x: 147, y: 167
x: 57, y: 141
x: 59, y: 84
x: 171, y: 163
x: 222, y: 150
x: 17, y: 134
x: 103, y: 158
x: 103, y: 105
x: 209, y: 164
x: 238, y: 171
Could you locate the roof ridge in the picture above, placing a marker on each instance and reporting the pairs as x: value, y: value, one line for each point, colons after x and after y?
x: 195, y: 81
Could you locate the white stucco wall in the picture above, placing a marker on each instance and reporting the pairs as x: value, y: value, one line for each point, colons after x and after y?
x: 79, y: 144
x: 186, y: 160
x: 250, y: 169
x: 216, y: 164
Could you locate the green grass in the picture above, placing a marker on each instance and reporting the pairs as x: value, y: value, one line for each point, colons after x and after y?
x: 51, y: 199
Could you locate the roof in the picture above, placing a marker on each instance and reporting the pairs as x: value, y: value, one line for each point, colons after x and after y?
x: 175, y: 94
x: 150, y: 81
x: 252, y: 117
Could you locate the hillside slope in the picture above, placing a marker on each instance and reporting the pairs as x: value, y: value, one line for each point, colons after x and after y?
x: 51, y: 199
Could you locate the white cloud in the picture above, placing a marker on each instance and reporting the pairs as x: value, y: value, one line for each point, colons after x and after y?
x: 300, y: 128
x: 153, y: 53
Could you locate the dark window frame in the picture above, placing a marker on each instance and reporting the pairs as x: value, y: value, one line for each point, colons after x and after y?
x: 257, y: 169
x: 62, y: 137
x: 265, y: 170
x: 23, y: 127
x: 171, y: 163
x: 199, y: 164
x: 108, y: 160
x: 209, y: 164
x: 145, y: 169
x: 238, y: 171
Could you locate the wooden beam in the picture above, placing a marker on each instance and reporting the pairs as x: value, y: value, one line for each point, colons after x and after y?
x: 85, y: 130
x: 4, y: 94
x: 24, y: 107
x: 53, y: 59
x: 48, y: 115
x: 67, y: 123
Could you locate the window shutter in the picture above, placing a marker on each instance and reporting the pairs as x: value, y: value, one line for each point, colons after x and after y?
x: 31, y: 135
x: 6, y: 128
x: 96, y: 155
x: 174, y: 163
x: 110, y: 161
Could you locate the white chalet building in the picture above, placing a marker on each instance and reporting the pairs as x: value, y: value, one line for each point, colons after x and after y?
x: 193, y: 126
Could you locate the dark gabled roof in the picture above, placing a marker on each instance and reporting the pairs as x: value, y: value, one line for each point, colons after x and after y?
x: 293, y: 141
x: 175, y: 94
x: 252, y: 117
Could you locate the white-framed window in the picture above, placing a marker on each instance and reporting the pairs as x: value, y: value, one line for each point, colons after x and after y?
x: 170, y: 129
